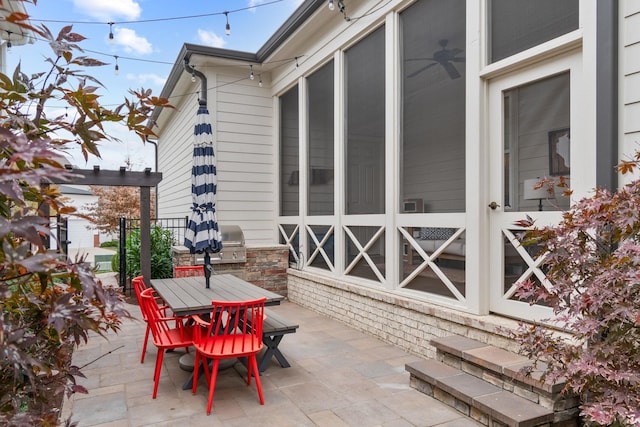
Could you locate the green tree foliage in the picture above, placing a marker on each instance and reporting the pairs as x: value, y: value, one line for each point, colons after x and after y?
x: 48, y: 304
x: 592, y: 260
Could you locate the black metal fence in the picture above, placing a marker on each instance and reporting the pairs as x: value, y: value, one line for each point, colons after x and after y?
x: 177, y: 226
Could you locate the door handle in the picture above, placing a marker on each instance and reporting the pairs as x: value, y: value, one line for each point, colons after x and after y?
x: 493, y: 205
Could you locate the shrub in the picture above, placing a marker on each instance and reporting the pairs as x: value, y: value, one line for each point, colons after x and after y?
x: 115, y: 262
x: 592, y: 259
x: 161, y: 242
x: 110, y: 244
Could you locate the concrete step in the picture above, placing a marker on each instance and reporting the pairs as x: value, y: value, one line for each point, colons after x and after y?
x: 476, y: 398
x: 488, y: 384
x: 496, y: 365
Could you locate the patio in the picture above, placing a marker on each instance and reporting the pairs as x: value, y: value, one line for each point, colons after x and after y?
x: 339, y: 377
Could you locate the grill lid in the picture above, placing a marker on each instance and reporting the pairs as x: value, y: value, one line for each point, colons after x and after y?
x: 232, y: 235
x: 233, y: 249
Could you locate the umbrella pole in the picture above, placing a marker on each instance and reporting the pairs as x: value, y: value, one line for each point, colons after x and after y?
x: 207, y: 268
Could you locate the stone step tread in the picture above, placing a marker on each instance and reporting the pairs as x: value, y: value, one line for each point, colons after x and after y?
x: 495, y: 359
x: 501, y: 405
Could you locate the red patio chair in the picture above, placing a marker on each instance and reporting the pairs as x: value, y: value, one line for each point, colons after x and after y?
x: 188, y: 270
x: 235, y: 330
x: 165, y: 337
x: 139, y: 286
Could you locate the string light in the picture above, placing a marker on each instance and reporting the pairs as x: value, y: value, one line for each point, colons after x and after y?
x: 251, y: 76
x: 227, y: 28
x: 341, y: 9
x: 111, y: 41
x: 116, y: 70
x: 171, y: 18
x: 193, y: 78
x: 296, y: 58
x: 260, y: 81
x: 9, y: 44
x: 331, y: 5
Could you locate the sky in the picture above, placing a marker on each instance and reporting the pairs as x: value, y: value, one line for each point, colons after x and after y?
x: 146, y: 51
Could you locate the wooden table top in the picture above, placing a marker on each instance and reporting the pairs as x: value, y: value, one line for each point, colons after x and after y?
x: 188, y: 295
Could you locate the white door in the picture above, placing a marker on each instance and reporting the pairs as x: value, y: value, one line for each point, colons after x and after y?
x: 531, y: 113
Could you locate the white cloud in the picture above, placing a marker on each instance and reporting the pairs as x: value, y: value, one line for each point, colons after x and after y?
x: 108, y: 10
x: 254, y: 3
x: 150, y: 78
x: 210, y: 38
x: 131, y: 41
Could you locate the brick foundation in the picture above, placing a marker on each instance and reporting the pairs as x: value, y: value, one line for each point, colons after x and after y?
x: 396, y: 319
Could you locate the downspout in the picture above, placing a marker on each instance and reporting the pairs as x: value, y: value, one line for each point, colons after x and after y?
x: 202, y: 100
x: 155, y: 169
x: 607, y: 84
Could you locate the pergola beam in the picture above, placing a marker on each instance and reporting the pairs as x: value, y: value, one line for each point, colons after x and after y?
x: 123, y: 178
x: 109, y: 178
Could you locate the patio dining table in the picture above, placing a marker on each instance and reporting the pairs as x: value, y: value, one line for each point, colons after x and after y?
x: 189, y: 295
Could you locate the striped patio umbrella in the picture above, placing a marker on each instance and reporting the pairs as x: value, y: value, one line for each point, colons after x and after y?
x: 202, y: 234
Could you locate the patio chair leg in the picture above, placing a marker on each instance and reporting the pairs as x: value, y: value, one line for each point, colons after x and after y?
x: 254, y: 368
x: 144, y: 345
x: 156, y: 377
x: 212, y: 384
x: 196, y: 373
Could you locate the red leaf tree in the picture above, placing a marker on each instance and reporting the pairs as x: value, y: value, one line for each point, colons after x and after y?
x: 592, y: 259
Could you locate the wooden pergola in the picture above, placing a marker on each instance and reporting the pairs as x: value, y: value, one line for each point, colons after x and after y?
x: 124, y: 178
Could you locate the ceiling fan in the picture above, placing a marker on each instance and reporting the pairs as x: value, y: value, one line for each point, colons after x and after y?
x: 445, y: 57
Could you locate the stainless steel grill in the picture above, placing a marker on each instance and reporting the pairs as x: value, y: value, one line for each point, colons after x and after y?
x: 233, y: 248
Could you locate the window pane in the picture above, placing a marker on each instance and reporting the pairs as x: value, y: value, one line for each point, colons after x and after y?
x: 433, y: 107
x: 365, y: 125
x: 537, y: 144
x: 289, y: 236
x: 371, y: 266
x: 321, y: 254
x: 320, y: 87
x: 433, y: 260
x: 517, y: 25
x: 289, y: 152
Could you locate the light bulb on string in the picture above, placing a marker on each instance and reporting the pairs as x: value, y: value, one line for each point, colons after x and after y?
x: 116, y: 70
x: 251, y: 76
x: 111, y: 41
x: 260, y: 81
x: 9, y: 44
x: 227, y: 28
x: 193, y: 77
x: 331, y: 5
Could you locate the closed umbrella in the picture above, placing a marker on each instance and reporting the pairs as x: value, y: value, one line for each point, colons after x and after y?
x: 202, y: 234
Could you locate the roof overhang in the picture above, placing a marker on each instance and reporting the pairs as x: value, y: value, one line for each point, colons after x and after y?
x: 188, y: 50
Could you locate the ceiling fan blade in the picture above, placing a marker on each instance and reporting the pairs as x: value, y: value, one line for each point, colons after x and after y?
x: 419, y: 70
x: 419, y: 59
x: 451, y: 70
x: 456, y: 60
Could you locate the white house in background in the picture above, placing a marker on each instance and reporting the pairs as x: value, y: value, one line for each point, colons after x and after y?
x: 81, y: 233
x: 392, y: 147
